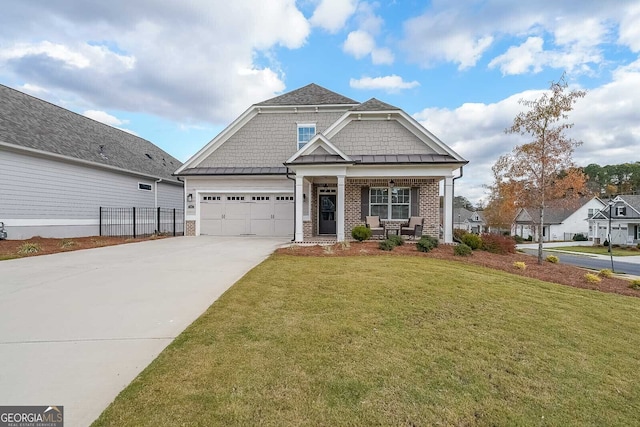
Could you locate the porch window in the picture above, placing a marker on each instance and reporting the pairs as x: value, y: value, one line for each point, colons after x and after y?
x: 390, y: 203
x: 305, y: 133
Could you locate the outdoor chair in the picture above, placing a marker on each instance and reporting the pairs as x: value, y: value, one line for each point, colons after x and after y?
x: 413, y: 228
x: 374, y: 224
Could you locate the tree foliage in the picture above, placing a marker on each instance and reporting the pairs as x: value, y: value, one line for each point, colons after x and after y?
x: 542, y: 170
x: 462, y: 202
x: 610, y: 180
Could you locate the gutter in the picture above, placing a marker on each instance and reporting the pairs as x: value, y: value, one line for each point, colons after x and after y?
x: 155, y: 187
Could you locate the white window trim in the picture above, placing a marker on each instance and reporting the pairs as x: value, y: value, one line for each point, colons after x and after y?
x: 390, y: 204
x: 305, y: 125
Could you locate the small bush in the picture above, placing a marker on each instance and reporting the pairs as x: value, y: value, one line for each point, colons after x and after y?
x: 29, y: 248
x: 635, y: 284
x: 605, y: 272
x: 498, y: 244
x: 529, y: 239
x: 459, y: 233
x: 387, y: 245
x: 66, y: 244
x: 472, y: 240
x: 592, y: 278
x: 396, y: 240
x: 518, y: 239
x: 520, y: 265
x: 329, y: 250
x: 426, y: 243
x: 462, y: 250
x: 638, y: 246
x: 552, y: 259
x: 605, y: 243
x: 579, y: 237
x: 361, y: 233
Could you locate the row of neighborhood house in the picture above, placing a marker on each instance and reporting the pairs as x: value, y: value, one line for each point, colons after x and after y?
x: 309, y: 164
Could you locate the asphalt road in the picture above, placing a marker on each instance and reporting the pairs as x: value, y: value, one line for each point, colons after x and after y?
x: 590, y: 262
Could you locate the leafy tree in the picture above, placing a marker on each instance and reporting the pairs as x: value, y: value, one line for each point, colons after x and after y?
x: 610, y: 180
x: 542, y: 170
x: 462, y: 202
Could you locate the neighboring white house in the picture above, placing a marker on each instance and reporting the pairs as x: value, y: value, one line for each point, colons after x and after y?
x: 470, y: 221
x: 313, y: 164
x: 560, y: 222
x: 57, y: 168
x: 625, y: 221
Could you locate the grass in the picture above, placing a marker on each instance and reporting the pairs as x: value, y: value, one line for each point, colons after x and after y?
x: 392, y: 340
x: 599, y: 250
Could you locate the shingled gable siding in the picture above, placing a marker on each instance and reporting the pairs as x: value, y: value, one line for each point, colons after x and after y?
x: 378, y: 137
x: 269, y: 139
x: 429, y: 202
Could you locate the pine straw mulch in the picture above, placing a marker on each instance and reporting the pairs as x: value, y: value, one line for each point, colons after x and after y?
x: 10, y: 249
x: 562, y: 274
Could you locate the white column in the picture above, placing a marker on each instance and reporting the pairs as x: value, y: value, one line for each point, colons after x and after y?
x: 340, y: 208
x: 299, y: 235
x: 447, y: 210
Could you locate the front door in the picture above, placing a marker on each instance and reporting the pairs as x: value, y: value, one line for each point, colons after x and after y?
x: 327, y: 217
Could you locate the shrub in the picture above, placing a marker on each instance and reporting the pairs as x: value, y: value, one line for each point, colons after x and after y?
x: 361, y: 233
x: 520, y: 265
x: 638, y: 246
x: 518, y: 239
x: 459, y: 233
x: 426, y: 243
x: 462, y: 250
x: 387, y: 245
x: 605, y: 243
x: 396, y: 240
x: 472, y: 240
x: 605, y: 272
x: 552, y: 259
x: 66, y: 243
x: 592, y: 278
x: 635, y: 284
x: 579, y: 237
x: 530, y: 238
x: 498, y: 244
x: 29, y: 248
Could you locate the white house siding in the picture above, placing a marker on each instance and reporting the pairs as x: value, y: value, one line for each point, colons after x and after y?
x: 44, y: 197
x: 170, y: 196
x: 378, y: 137
x: 275, y: 133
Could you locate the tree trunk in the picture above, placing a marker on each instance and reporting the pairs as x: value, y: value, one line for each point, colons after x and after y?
x: 540, y: 234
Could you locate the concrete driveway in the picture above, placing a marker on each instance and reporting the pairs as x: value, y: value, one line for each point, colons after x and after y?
x: 77, y: 327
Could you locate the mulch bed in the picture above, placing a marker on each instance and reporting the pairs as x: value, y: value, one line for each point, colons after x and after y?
x: 11, y: 248
x: 556, y: 273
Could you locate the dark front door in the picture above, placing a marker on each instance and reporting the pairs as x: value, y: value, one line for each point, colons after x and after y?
x: 327, y: 221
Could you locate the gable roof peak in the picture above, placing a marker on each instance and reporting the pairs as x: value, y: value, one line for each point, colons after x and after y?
x: 311, y: 94
x: 374, y: 105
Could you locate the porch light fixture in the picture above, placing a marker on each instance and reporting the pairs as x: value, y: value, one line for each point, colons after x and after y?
x: 611, y: 203
x: 189, y: 197
x: 392, y: 183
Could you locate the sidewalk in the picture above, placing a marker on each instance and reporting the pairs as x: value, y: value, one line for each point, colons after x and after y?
x: 550, y: 247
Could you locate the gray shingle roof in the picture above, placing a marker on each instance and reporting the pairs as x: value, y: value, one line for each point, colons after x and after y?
x: 311, y: 94
x: 235, y: 171
x: 378, y: 159
x: 374, y: 105
x: 30, y: 122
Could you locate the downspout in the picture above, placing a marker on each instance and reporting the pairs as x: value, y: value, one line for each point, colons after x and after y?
x: 295, y: 203
x: 156, y: 193
x: 453, y: 197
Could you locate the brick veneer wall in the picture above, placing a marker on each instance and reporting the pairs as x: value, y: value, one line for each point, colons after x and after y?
x: 429, y: 202
x: 190, y: 228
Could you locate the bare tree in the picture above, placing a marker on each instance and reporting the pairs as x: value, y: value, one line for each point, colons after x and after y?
x: 542, y: 170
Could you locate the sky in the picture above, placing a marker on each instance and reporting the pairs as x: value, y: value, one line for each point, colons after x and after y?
x: 177, y: 72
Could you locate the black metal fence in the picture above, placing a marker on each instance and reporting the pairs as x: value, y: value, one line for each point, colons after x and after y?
x: 140, y: 222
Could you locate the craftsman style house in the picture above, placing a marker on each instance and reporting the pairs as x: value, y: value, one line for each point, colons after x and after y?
x: 313, y: 164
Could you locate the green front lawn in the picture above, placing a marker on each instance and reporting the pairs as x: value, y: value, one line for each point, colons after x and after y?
x: 393, y: 340
x: 599, y: 250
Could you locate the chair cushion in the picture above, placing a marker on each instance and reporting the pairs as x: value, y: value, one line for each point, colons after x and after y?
x: 373, y: 221
x: 415, y: 220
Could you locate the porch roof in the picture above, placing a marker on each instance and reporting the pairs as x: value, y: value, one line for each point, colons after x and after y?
x: 235, y: 171
x: 378, y: 159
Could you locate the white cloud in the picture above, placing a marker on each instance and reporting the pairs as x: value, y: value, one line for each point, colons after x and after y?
x: 108, y: 119
x: 521, y: 59
x: 190, y: 62
x: 629, y: 32
x: 361, y: 42
x: 332, y: 15
x: 390, y: 83
x: 382, y: 56
x: 33, y: 89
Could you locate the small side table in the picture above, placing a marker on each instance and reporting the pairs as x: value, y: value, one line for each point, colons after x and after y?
x: 393, y: 231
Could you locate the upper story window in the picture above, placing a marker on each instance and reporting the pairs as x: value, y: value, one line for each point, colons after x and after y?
x: 390, y: 203
x: 305, y: 133
x: 621, y: 210
x: 591, y: 213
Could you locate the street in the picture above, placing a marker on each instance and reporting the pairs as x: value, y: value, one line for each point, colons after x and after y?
x: 591, y: 262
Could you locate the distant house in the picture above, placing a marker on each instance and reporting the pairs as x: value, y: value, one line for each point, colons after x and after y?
x: 57, y: 168
x: 625, y: 221
x: 560, y: 222
x: 470, y: 221
x: 312, y: 164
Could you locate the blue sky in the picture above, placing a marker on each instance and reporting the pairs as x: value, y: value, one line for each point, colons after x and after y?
x: 177, y: 72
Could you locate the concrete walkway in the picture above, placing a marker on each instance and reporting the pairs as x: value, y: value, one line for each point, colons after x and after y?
x: 77, y: 327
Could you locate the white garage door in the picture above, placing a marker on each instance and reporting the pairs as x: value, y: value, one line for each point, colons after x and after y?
x: 246, y: 214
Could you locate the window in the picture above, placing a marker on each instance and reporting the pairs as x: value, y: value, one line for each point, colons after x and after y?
x: 259, y: 198
x: 145, y: 187
x: 621, y: 210
x: 235, y: 198
x: 390, y: 203
x: 591, y: 213
x: 305, y: 133
x: 284, y: 198
x: 211, y: 198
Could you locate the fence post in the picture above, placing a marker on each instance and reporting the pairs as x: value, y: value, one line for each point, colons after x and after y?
x: 100, y: 223
x: 134, y: 222
x: 174, y: 222
x: 158, y: 221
